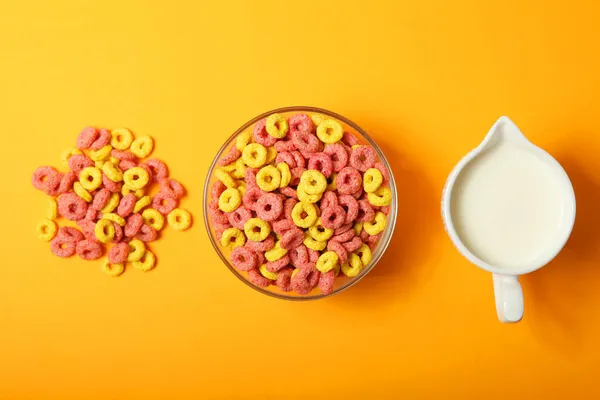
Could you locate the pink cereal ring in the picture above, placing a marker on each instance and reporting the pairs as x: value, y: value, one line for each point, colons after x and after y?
x: 288, y: 206
x: 282, y: 226
x: 305, y: 280
x: 146, y: 234
x: 243, y: 258
x: 256, y: 278
x: 286, y: 157
x: 62, y: 247
x: 299, y: 158
x: 326, y: 282
x: 164, y: 204
x: 339, y: 249
x: 112, y: 186
x: 263, y: 246
x: 363, y: 158
x: 373, y: 240
x: 233, y: 155
x: 260, y: 135
x: 72, y: 207
x: 172, y: 188
x: 385, y: 210
x: 159, y: 169
x: 91, y: 214
x: 102, y: 140
x: 126, y: 205
x: 124, y: 165
x: 66, y: 182
x: 100, y: 199
x: 250, y: 176
x: 220, y: 228
x: 44, y: 178
x: 359, y: 194
x: 329, y: 199
x: 348, y: 181
x: 238, y: 218
x: 384, y: 172
x: 68, y: 233
x: 275, y: 266
x: 260, y: 258
x: 148, y: 170
x: 89, y: 250
x: 305, y: 141
x: 364, y: 236
x: 353, y: 245
x: 87, y: 227
x: 350, y: 205
x: 217, y: 216
x: 284, y: 145
x: 342, y: 229
x: 313, y: 256
x: 343, y: 237
x: 289, y: 192
x: 133, y: 225
x: 284, y: 279
x: 365, y: 211
x: 269, y: 207
x: 78, y: 162
x: 292, y: 238
x: 322, y: 163
x: 301, y: 123
x: 339, y: 156
x: 122, y: 155
x: 296, y: 175
x: 298, y: 256
x: 333, y: 217
x: 86, y: 137
x: 251, y: 197
x: 119, y: 233
x: 217, y: 189
x: 349, y: 139
x: 118, y: 253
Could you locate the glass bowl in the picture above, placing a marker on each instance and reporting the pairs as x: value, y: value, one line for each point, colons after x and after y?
x: 341, y: 282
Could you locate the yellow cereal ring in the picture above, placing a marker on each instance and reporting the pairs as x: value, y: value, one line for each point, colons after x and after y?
x: 46, y: 230
x: 66, y: 154
x: 137, y: 248
x: 242, y: 189
x: 331, y: 182
x: 146, y: 263
x: 353, y: 266
x: 330, y: 131
x: 276, y: 126
x: 99, y: 164
x: 268, y: 178
x: 136, y: 178
x: 112, y: 203
x: 229, y: 168
x: 358, y: 228
x: 314, y: 244
x: 372, y: 180
x: 114, y: 160
x: 256, y: 229
x: 141, y: 203
x: 240, y: 169
x: 112, y: 172
x: 153, y: 218
x: 364, y: 252
x: 305, y: 197
x: 101, y: 154
x: 337, y: 269
x: 104, y: 230
x: 271, y: 154
x: 381, y: 197
x: 142, y: 146
x: 52, y: 212
x: 81, y: 192
x: 377, y: 225
x: 90, y: 178
x: 139, y: 193
x: 276, y: 252
x: 225, y: 178
x: 179, y: 219
x: 266, y: 273
x: 327, y: 261
x: 242, y: 140
x: 304, y: 214
x: 230, y: 200
x: 232, y: 238
x: 286, y: 176
x: 121, y: 138
x: 317, y: 118
x: 319, y: 232
x: 254, y: 155
x: 116, y: 218
x: 112, y: 269
x: 313, y: 181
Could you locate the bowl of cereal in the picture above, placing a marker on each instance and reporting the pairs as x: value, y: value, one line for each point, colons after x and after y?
x: 300, y: 203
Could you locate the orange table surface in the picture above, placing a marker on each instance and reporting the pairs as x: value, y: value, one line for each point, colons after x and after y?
x: 426, y: 79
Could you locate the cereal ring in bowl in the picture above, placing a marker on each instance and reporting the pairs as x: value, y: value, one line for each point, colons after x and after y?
x: 305, y: 139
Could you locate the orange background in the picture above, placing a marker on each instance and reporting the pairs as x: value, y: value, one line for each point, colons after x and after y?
x: 426, y: 78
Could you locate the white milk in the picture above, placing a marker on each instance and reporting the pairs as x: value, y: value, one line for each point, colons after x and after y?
x: 507, y: 206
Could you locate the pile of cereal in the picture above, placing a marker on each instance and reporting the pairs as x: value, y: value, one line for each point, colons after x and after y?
x: 299, y: 201
x: 106, y: 191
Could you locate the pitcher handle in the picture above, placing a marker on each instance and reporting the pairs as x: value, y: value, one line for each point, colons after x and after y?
x: 509, y: 298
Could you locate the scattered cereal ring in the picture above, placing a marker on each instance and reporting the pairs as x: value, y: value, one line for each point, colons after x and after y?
x: 277, y: 265
x: 225, y: 178
x: 271, y: 154
x: 242, y: 140
x: 67, y: 154
x: 326, y: 282
x: 353, y: 244
x: 72, y: 207
x: 86, y: 137
x: 377, y: 225
x: 330, y: 131
x: 46, y: 179
x: 348, y: 180
x: 153, y: 218
x: 261, y: 136
x: 313, y: 182
x: 353, y: 267
x: 266, y: 273
x: 118, y: 253
x: 102, y: 140
x: 257, y: 279
x: 146, y: 234
x: 362, y: 158
x: 230, y: 158
x: 139, y: 193
x: 243, y: 259
x: 104, y: 230
x: 305, y: 141
x: 90, y: 178
x: 256, y: 229
x: 70, y: 234
x: 282, y: 226
x: 339, y: 156
x: 344, y: 236
x: 240, y: 169
x: 304, y: 214
x: 286, y: 176
x: 89, y: 249
x: 276, y: 253
x: 142, y: 146
x: 381, y: 197
x: 78, y: 162
x: 62, y: 247
x: 216, y: 189
x: 112, y: 203
x: 66, y: 182
x: 284, y: 278
x: 113, y: 173
x: 232, y: 238
x: 289, y: 192
x: 276, y: 126
x: 121, y: 155
x: 46, y: 230
x: 269, y: 207
x: 126, y: 205
x: 144, y: 201
x: 158, y: 168
x: 284, y: 145
x: 133, y: 225
x: 101, y: 154
x: 339, y: 249
x: 299, y: 256
x: 124, y: 165
x: 52, y: 212
x: 314, y: 244
x: 116, y: 218
x: 372, y: 180
x: 251, y: 197
x: 229, y: 200
x: 333, y: 217
x: 305, y: 197
x: 292, y: 238
x: 286, y: 158
x: 121, y: 138
x: 299, y: 159
x: 301, y: 123
x: 136, y: 249
x: 136, y: 178
x: 364, y: 252
x: 327, y: 261
x: 82, y: 193
x: 254, y: 155
x: 268, y: 178
x: 112, y: 269
x: 319, y: 232
x: 114, y: 187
